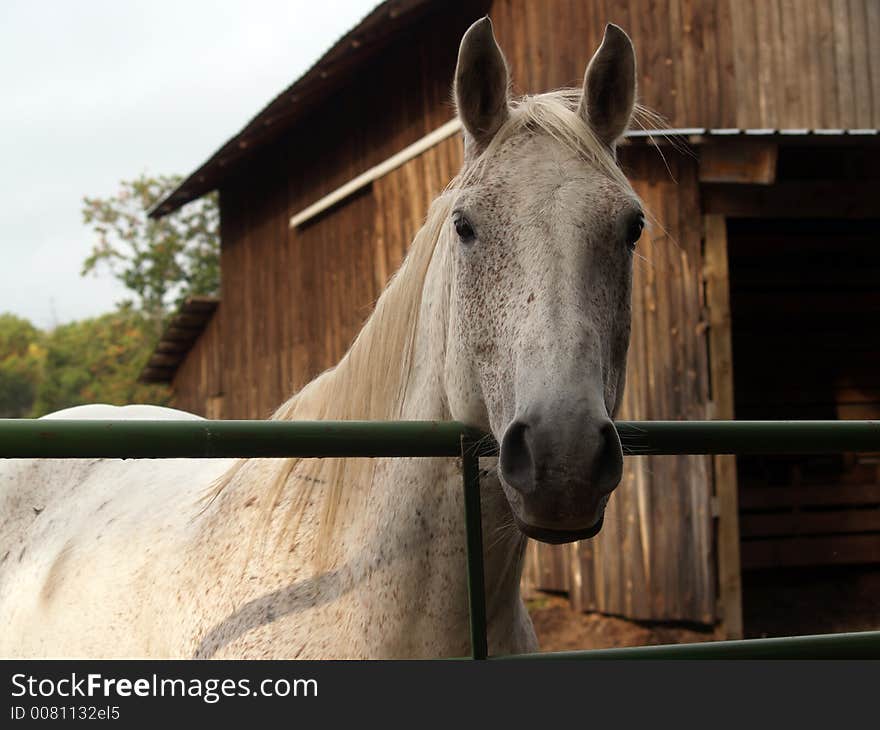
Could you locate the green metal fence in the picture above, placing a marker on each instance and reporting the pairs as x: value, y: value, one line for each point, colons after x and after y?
x: 71, y: 439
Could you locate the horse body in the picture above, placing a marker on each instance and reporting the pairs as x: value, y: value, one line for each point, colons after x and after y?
x: 89, y: 548
x: 114, y: 558
x: 510, y: 313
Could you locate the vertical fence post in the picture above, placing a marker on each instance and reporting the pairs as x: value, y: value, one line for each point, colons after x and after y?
x: 717, y: 278
x: 473, y: 522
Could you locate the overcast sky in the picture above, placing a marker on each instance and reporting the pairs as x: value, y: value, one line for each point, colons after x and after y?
x: 94, y: 92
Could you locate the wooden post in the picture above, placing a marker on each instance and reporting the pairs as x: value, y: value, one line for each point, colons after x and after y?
x: 721, y: 369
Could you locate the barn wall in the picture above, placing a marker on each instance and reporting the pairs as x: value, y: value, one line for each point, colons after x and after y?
x: 713, y: 63
x: 198, y: 383
x: 653, y: 559
x: 698, y: 66
x: 294, y: 300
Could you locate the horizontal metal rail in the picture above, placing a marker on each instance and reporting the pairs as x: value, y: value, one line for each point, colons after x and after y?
x: 77, y: 439
x: 855, y: 645
x: 748, y: 437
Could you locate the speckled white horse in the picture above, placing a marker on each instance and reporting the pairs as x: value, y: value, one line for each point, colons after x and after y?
x: 511, y: 313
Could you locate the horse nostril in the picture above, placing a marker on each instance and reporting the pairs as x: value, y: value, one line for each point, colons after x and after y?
x: 516, y: 461
x: 609, y: 460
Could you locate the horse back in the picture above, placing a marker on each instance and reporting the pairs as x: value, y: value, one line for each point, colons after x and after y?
x: 81, y: 537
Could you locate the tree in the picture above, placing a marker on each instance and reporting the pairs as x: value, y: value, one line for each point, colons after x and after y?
x: 21, y: 364
x: 97, y: 361
x: 160, y: 261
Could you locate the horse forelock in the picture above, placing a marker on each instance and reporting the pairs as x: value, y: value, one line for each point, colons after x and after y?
x: 554, y: 114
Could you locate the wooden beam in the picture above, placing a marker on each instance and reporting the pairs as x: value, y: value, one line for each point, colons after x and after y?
x: 451, y: 127
x: 156, y: 375
x: 810, y: 496
x: 181, y: 334
x: 721, y: 372
x: 791, y: 199
x: 167, y: 346
x: 163, y: 360
x: 831, y: 522
x: 196, y: 319
x: 801, y: 551
x: 739, y: 161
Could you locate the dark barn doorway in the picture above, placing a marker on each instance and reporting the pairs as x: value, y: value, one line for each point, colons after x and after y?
x: 805, y: 311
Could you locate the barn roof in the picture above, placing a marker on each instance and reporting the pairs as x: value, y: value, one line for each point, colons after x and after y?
x: 178, y: 338
x: 362, y: 42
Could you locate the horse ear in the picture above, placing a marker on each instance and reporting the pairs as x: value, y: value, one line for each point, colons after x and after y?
x: 610, y: 86
x: 481, y: 82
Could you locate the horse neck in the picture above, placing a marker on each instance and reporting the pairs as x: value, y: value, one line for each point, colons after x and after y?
x: 426, y: 399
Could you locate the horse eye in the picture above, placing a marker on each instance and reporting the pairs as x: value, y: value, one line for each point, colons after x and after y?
x: 463, y: 228
x: 634, y: 231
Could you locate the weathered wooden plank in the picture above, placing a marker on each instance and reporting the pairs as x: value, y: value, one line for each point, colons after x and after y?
x: 781, y: 44
x: 802, y: 551
x: 814, y: 275
x: 754, y: 498
x: 680, y: 48
x: 721, y: 364
x: 812, y: 34
x: 158, y: 360
x: 861, y: 70
x: 765, y: 68
x: 843, y: 63
x: 637, y: 484
x: 830, y: 117
x: 171, y: 347
x: 810, y: 523
x: 720, y: 37
x: 746, y: 107
x: 795, y: 111
x: 842, y: 301
x: 872, y: 28
x: 791, y: 200
x: 680, y: 584
x: 178, y: 333
x: 739, y: 162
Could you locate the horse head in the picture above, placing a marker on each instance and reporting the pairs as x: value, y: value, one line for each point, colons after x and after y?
x: 542, y: 231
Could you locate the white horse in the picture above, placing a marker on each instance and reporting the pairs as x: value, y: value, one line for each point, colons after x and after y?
x: 511, y: 313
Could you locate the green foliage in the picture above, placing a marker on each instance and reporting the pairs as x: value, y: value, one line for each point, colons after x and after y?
x: 160, y: 261
x: 98, y: 361
x: 21, y: 365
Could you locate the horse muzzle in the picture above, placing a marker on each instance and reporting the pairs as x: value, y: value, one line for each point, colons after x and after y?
x: 555, y: 536
x: 558, y: 477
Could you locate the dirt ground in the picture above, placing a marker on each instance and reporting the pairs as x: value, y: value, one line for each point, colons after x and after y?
x: 559, y: 628
x: 775, y: 603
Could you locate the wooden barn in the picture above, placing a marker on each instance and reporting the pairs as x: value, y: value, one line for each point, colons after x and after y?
x: 757, y: 296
